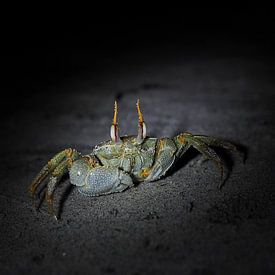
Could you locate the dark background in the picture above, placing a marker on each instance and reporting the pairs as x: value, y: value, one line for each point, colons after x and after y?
x: 208, y: 71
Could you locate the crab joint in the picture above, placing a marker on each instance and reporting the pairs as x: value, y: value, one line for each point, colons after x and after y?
x: 114, y: 128
x: 141, y: 124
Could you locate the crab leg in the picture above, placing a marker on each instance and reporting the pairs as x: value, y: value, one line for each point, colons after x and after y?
x: 211, y: 141
x: 206, y: 151
x: 38, y: 179
x: 56, y: 176
x: 164, y: 159
x: 49, y: 167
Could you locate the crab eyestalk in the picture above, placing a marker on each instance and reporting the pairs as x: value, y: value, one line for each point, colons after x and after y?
x: 141, y: 125
x: 114, y: 128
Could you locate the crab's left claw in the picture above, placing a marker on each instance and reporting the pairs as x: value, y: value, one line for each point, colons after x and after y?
x: 141, y: 124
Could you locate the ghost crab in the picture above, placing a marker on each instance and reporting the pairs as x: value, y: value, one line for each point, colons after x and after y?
x: 119, y: 163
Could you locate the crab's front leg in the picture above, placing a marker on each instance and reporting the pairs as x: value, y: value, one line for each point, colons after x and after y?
x: 164, y: 158
x: 93, y: 179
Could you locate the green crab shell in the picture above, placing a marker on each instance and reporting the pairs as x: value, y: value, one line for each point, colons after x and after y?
x: 129, y: 155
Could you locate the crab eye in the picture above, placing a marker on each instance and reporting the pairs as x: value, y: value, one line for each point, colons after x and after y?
x: 78, y: 173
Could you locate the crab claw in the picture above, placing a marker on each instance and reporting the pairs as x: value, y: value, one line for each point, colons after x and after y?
x: 141, y: 124
x: 114, y: 128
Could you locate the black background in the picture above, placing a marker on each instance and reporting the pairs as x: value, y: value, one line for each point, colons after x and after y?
x: 41, y: 49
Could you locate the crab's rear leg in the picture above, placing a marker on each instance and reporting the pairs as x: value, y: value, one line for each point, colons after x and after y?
x: 216, y: 142
x: 212, y: 141
x: 202, y: 143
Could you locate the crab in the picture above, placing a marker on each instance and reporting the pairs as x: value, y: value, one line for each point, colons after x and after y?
x: 121, y: 162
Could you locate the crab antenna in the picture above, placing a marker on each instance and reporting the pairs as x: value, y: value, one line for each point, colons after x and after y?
x: 114, y: 128
x: 141, y: 124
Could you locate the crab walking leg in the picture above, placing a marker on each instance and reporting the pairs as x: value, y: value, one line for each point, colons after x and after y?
x: 38, y: 179
x: 204, y: 149
x: 49, y: 167
x: 211, y: 141
x: 182, y: 144
x: 164, y: 159
x: 57, y: 174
